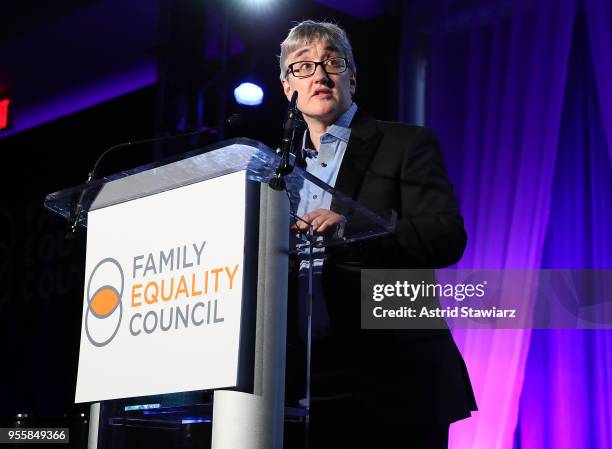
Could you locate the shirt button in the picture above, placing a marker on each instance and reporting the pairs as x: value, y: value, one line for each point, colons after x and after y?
x: 314, y: 197
x: 323, y: 164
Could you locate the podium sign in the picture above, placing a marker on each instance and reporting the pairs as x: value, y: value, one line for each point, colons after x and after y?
x: 186, y: 288
x: 163, y: 292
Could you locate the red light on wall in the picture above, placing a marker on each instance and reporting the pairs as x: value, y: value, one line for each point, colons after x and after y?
x: 4, y: 112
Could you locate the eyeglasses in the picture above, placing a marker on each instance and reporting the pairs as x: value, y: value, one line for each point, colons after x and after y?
x: 304, y: 69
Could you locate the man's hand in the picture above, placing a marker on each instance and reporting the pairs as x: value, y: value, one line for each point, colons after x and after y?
x: 322, y: 220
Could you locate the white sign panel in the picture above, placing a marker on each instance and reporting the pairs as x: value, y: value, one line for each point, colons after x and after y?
x: 163, y: 289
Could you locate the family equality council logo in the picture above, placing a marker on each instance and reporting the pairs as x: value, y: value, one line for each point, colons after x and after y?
x: 104, y: 306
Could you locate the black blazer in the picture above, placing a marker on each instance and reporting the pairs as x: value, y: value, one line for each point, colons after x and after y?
x: 394, y: 166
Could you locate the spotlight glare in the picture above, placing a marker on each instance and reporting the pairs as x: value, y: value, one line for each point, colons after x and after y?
x: 257, y: 2
x: 258, y: 6
x: 248, y: 94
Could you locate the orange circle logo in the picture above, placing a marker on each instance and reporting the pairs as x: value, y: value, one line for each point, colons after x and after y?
x: 104, y: 306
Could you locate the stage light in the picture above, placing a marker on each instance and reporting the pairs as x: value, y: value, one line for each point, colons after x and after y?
x: 248, y: 94
x: 258, y: 6
x: 257, y: 3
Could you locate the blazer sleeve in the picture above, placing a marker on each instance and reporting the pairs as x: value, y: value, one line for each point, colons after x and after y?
x: 430, y: 231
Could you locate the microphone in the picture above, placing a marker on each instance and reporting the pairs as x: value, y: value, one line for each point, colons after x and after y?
x: 78, y: 210
x: 292, y: 122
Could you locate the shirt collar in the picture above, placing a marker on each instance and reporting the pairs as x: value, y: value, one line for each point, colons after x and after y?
x: 339, y: 130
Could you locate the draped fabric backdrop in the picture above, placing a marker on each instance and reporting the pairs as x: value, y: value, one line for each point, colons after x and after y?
x: 567, y: 391
x: 524, y: 129
x: 599, y: 20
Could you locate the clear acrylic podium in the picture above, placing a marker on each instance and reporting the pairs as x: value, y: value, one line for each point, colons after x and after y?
x: 250, y: 414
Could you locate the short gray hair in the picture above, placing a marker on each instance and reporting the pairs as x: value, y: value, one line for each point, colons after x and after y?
x: 307, y: 31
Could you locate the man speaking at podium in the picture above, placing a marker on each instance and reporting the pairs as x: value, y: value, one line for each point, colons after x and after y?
x: 372, y: 388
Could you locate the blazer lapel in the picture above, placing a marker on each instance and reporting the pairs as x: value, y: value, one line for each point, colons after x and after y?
x: 361, y: 147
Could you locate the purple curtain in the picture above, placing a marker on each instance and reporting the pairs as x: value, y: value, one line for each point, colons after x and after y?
x: 599, y: 19
x: 495, y: 96
x: 566, y: 398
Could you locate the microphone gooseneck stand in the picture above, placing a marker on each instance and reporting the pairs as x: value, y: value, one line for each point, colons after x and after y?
x: 78, y: 210
x: 292, y: 123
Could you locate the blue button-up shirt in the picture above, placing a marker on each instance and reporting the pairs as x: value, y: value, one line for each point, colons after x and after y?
x: 325, y: 165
